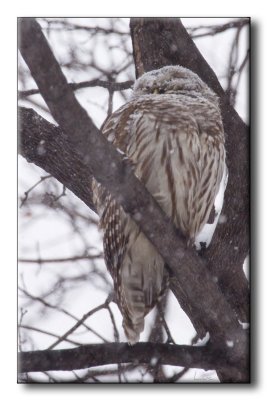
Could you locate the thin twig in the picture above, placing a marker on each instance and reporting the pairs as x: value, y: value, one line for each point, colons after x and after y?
x: 79, y: 323
x: 176, y: 377
x: 60, y: 309
x: 32, y: 328
x: 60, y: 260
x: 112, y: 86
x: 26, y: 194
x: 215, y: 29
x: 63, y: 24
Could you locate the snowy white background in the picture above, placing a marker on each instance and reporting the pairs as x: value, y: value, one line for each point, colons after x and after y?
x: 51, y: 233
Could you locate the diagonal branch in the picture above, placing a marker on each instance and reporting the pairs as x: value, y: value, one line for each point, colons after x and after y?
x: 65, y: 165
x: 56, y: 157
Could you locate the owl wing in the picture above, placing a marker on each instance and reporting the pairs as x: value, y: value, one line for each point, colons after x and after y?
x: 204, y: 236
x: 113, y: 220
x: 178, y: 155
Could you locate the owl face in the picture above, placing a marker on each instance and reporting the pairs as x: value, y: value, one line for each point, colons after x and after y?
x: 172, y: 80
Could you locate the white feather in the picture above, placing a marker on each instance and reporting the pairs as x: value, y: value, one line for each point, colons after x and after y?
x: 205, y: 235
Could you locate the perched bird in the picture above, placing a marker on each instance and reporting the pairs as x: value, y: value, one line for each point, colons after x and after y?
x: 171, y: 131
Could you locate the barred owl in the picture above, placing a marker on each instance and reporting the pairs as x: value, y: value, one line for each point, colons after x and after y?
x: 172, y: 133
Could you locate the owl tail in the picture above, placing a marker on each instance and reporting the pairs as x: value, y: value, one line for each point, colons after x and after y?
x: 139, y: 299
x: 133, y: 329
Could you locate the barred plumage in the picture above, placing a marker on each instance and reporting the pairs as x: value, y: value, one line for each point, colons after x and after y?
x: 171, y: 130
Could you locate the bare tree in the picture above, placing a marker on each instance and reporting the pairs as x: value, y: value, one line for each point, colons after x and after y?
x: 211, y: 288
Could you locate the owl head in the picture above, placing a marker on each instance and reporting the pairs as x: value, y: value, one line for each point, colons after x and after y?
x: 172, y: 80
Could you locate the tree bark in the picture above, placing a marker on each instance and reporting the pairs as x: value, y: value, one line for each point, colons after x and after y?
x: 93, y: 355
x: 61, y: 161
x: 46, y: 145
x: 170, y: 44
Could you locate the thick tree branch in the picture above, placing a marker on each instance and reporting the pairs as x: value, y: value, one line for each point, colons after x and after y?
x: 91, y: 146
x: 170, y: 44
x: 45, y: 145
x: 65, y: 165
x: 93, y: 355
x: 59, y: 160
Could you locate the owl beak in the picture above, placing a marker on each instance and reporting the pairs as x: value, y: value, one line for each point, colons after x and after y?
x: 155, y: 91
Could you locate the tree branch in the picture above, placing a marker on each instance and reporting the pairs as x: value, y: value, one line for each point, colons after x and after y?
x: 170, y: 44
x: 45, y: 145
x: 93, y: 355
x: 60, y: 260
x: 215, y: 29
x: 112, y: 86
